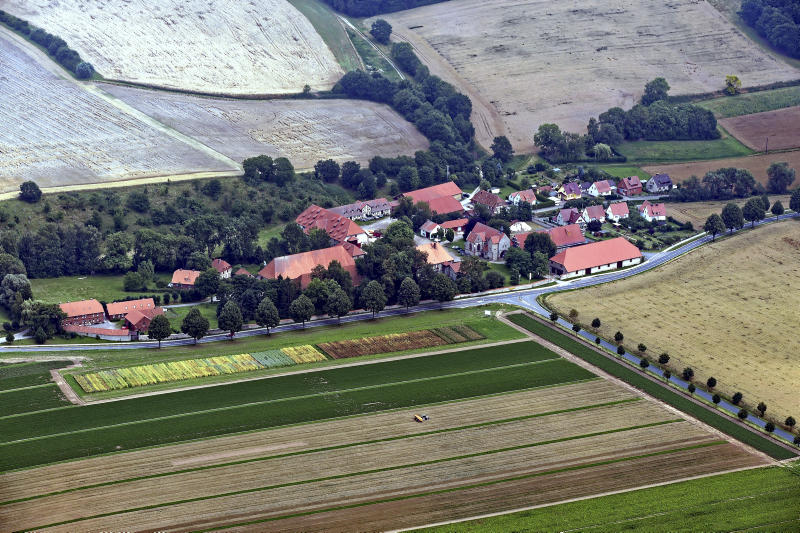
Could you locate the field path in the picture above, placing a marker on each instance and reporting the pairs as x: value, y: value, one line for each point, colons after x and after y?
x: 580, y: 362
x: 384, y: 56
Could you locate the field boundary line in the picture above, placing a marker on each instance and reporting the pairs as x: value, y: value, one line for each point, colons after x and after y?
x: 40, y: 386
x: 303, y: 371
x: 416, y: 465
x: 279, y: 400
x: 329, y: 448
x: 466, y: 487
x: 583, y: 498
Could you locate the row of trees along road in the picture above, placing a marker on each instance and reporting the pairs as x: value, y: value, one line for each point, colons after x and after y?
x: 755, y: 209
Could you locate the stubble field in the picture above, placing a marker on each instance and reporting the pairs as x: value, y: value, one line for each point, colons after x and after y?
x: 55, y: 132
x: 756, y: 164
x: 256, y: 47
x: 780, y: 128
x: 698, y: 212
x: 479, y: 455
x: 305, y: 131
x: 537, y: 61
x: 728, y: 310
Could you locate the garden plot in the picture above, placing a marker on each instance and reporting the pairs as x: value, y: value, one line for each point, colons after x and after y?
x: 304, y: 131
x: 255, y: 47
x: 56, y: 133
x: 538, y: 61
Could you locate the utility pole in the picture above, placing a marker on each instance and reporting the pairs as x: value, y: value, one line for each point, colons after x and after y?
x: 766, y: 145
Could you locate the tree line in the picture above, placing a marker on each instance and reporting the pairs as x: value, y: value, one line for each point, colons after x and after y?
x: 728, y: 183
x: 778, y: 21
x: 368, y: 8
x: 55, y: 46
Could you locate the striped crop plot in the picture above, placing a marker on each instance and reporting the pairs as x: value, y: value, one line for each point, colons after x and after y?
x: 481, y: 455
x: 62, y: 134
x: 398, y: 342
x: 28, y: 387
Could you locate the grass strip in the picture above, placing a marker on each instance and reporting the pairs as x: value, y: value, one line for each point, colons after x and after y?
x: 394, y: 468
x: 656, y: 390
x: 324, y: 449
x: 466, y: 487
x: 747, y: 500
x: 31, y: 399
x: 25, y: 388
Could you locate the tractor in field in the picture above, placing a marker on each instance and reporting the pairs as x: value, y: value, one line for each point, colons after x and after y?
x: 421, y: 418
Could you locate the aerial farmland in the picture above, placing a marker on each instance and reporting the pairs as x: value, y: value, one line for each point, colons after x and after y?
x: 258, y: 47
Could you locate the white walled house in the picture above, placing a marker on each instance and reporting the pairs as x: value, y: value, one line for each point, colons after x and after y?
x: 653, y: 212
x: 487, y: 242
x: 617, y: 211
x: 595, y: 257
x: 600, y: 188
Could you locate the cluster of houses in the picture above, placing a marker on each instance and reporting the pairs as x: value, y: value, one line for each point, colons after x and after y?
x: 615, y: 212
x: 84, y: 315
x: 629, y: 187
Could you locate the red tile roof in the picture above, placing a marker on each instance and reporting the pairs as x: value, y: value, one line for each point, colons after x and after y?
x: 437, y: 254
x: 338, y: 227
x: 488, y: 199
x: 596, y: 254
x: 563, y: 236
x: 619, y: 209
x: 300, y: 265
x: 427, y: 194
x: 595, y: 212
x: 632, y: 182
x: 429, y: 226
x: 135, y: 318
x: 353, y: 250
x: 242, y: 272
x: 185, y: 277
x: 483, y: 233
x: 570, y: 215
x: 602, y: 186
x: 83, y: 307
x: 526, y: 196
x: 220, y: 265
x: 89, y: 330
x: 121, y: 308
x: 454, y: 224
x: 445, y: 205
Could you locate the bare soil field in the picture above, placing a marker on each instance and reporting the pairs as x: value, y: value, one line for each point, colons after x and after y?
x: 57, y: 133
x: 255, y: 47
x: 781, y: 128
x: 756, y: 164
x: 380, y: 457
x: 698, y: 212
x: 728, y: 310
x: 538, y: 61
x: 305, y: 131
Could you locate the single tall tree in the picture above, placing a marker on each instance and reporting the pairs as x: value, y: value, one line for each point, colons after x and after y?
x: 714, y: 225
x: 301, y: 309
x: 195, y: 324
x: 338, y: 304
x: 267, y: 314
x: 230, y: 318
x: 655, y: 90
x: 501, y: 148
x: 753, y: 211
x: 373, y: 298
x: 409, y: 293
x: 777, y: 209
x: 444, y: 289
x: 29, y: 192
x: 762, y: 408
x: 732, y: 216
x: 780, y: 178
x: 159, y: 329
x: 794, y: 201
x: 381, y: 30
x: 207, y: 282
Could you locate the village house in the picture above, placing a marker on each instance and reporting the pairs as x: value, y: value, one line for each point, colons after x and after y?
x: 457, y: 226
x: 491, y: 201
x: 223, y: 267
x: 653, y: 212
x: 437, y: 255
x: 562, y: 236
x: 660, y: 183
x: 630, y: 186
x: 451, y: 269
x: 593, y: 212
x: 299, y: 266
x: 617, y: 211
x: 522, y: 196
x: 118, y: 310
x: 184, y: 279
x: 442, y: 199
x: 353, y: 249
x: 429, y: 229
x: 601, y: 188
x: 140, y: 320
x: 82, y: 313
x: 340, y: 229
x: 487, y: 242
x: 569, y: 191
x: 363, y: 210
x: 243, y: 272
x: 594, y: 257
x: 568, y: 216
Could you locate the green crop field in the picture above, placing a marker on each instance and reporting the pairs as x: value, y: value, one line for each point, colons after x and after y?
x: 666, y: 151
x: 764, y: 499
x: 669, y: 396
x: 757, y: 102
x: 30, y: 399
x: 39, y: 438
x: 622, y: 171
x: 18, y: 375
x: 324, y: 20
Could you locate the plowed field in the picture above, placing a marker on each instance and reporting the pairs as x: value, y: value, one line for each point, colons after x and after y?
x: 756, y: 164
x: 774, y: 130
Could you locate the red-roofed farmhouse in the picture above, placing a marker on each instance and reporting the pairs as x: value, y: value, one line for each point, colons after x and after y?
x: 594, y: 257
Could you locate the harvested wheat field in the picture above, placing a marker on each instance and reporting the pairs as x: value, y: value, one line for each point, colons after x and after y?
x: 255, y: 47
x: 728, y: 310
x: 56, y: 132
x: 698, y: 212
x: 305, y: 131
x: 756, y: 164
x: 780, y: 128
x: 523, y: 444
x: 539, y: 61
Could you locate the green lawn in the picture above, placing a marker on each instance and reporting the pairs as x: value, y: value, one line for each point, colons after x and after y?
x: 265, y: 234
x: 764, y: 498
x: 679, y: 401
x: 31, y: 399
x: 324, y: 20
x: 757, y: 102
x: 177, y: 314
x: 100, y: 287
x: 18, y: 375
x: 503, y: 269
x: 664, y: 151
x: 77, y: 431
x: 371, y: 57
x: 622, y: 171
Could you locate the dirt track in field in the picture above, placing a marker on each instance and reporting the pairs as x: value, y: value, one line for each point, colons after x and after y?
x: 774, y: 130
x: 756, y: 164
x: 537, y: 61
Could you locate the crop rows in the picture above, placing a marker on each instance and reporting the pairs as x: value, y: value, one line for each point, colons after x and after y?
x: 399, y: 342
x: 303, y: 354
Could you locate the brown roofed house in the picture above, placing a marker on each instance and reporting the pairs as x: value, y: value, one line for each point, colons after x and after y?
x: 82, y: 313
x: 594, y: 257
x: 184, y: 279
x: 299, y: 266
x: 491, y: 201
x: 437, y: 255
x: 339, y: 228
x: 223, y: 267
x: 118, y: 310
x: 140, y: 320
x: 487, y: 242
